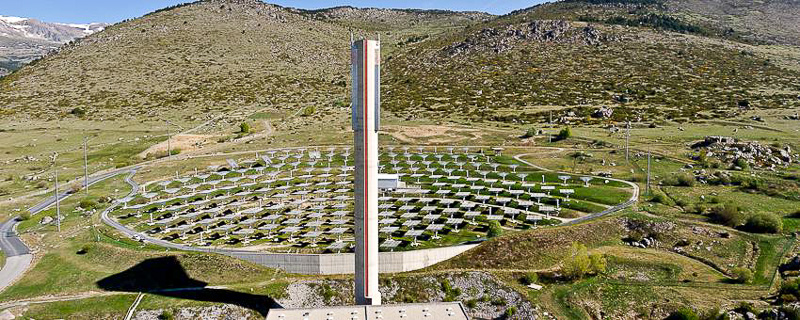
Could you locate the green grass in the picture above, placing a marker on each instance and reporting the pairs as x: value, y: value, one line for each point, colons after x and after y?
x: 771, y: 251
x: 90, y: 308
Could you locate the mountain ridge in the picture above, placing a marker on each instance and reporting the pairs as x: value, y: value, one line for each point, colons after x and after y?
x: 25, y: 39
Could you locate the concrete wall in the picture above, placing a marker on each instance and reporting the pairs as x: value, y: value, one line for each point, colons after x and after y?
x: 343, y: 263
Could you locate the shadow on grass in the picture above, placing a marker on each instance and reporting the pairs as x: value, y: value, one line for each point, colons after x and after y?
x: 166, y: 277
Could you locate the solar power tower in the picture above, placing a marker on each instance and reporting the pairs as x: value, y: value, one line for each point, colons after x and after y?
x: 366, y: 98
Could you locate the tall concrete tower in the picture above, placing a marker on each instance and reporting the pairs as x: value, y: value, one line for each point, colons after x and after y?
x: 366, y: 101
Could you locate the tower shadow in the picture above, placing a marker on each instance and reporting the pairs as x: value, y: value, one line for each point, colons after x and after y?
x: 165, y: 276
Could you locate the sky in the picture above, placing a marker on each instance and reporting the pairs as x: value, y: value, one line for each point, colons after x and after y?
x: 110, y: 11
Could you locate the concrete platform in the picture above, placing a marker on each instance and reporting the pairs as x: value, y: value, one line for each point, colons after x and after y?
x: 433, y: 311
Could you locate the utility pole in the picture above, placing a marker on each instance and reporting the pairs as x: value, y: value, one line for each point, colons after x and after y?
x: 169, y: 143
x: 85, y: 167
x: 628, y: 142
x: 648, y: 172
x: 58, y: 201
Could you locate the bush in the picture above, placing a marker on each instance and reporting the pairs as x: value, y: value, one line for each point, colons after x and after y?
x: 84, y: 249
x: 531, y: 132
x: 166, y: 315
x: 494, y: 229
x: 564, y: 134
x: 245, y: 128
x: 683, y: 314
x: 715, y: 314
x: 530, y: 278
x: 511, y: 311
x: 741, y: 163
x: 25, y: 215
x: 790, y: 290
x: 791, y: 313
x: 87, y: 204
x: 309, y: 111
x: 685, y: 180
x: 727, y: 214
x: 471, y: 303
x: 577, y: 264
x: 78, y: 112
x: 659, y: 198
x: 597, y: 263
x: 764, y: 223
x: 742, y: 275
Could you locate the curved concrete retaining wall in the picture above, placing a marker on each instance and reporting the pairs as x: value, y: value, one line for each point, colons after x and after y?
x: 344, y: 263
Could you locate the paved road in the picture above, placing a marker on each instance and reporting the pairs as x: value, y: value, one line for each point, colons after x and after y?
x: 18, y: 255
x: 630, y: 202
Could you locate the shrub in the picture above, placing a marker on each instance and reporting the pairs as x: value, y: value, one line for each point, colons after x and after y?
x: 742, y: 275
x: 790, y: 290
x: 471, y: 303
x: 25, y: 215
x: 727, y: 214
x: 741, y: 163
x: 78, y: 112
x: 564, y: 134
x: 531, y: 132
x: 683, y: 314
x: 715, y: 314
x: 597, y: 263
x: 328, y: 293
x: 309, y: 111
x: 659, y: 198
x: 764, y: 223
x: 494, y: 229
x: 791, y: 313
x: 511, y: 311
x: 245, y: 128
x: 577, y: 264
x: 530, y: 278
x: 87, y: 204
x: 166, y: 315
x: 685, y: 180
x: 84, y: 249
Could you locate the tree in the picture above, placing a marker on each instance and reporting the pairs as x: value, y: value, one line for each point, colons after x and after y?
x: 494, y: 229
x: 565, y: 133
x: 764, y: 223
x: 577, y: 263
x: 742, y: 275
x: 244, y: 128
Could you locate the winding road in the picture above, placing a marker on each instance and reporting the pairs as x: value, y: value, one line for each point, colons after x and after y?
x: 18, y: 255
x: 621, y: 206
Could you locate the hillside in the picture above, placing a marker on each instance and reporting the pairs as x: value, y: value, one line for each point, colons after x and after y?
x: 519, y: 68
x: 766, y: 22
x: 208, y: 57
x: 236, y: 56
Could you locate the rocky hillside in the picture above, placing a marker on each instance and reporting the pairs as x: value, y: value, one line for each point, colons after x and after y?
x: 768, y: 22
x: 192, y: 61
x: 642, y: 59
x: 23, y: 40
x: 558, y: 57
